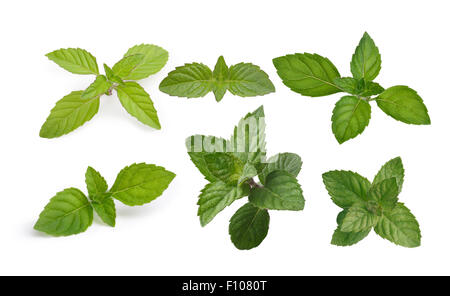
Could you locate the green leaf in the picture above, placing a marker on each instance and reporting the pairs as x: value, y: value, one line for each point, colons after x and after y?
x: 249, y: 227
x: 106, y: 210
x: 99, y: 87
x: 111, y: 76
x: 392, y: 169
x: 403, y: 104
x: 69, y: 113
x: 350, y: 117
x: 220, y: 75
x: 248, y: 141
x: 199, y: 146
x: 139, y: 184
x: 95, y: 183
x: 385, y: 193
x: 288, y: 162
x: 75, y: 60
x: 224, y: 166
x: 308, y: 74
x: 154, y: 60
x: 344, y: 239
x: 358, y: 219
x: 358, y: 87
x: 248, y: 80
x: 371, y: 89
x: 191, y: 81
x: 346, y: 188
x: 137, y: 102
x: 249, y: 171
x: 281, y: 192
x: 366, y: 62
x: 68, y: 213
x: 400, y: 227
x: 217, y: 196
x: 127, y: 65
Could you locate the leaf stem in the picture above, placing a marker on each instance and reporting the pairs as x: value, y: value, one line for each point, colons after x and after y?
x: 253, y: 184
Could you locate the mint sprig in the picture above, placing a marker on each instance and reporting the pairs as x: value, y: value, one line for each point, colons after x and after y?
x: 231, y: 167
x: 375, y: 205
x: 77, y: 108
x: 316, y: 76
x: 197, y: 80
x: 71, y: 211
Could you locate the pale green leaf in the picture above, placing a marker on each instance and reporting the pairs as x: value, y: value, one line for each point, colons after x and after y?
x: 142, y: 183
x: 400, y: 227
x: 392, y: 169
x: 127, y: 65
x: 138, y: 103
x: 217, y: 196
x: 191, y: 81
x: 69, y: 113
x: 358, y: 219
x: 288, y: 162
x: 281, y: 192
x: 344, y: 239
x: 68, y: 213
x: 346, y: 188
x: 385, y: 193
x: 403, y: 104
x: 154, y: 60
x: 249, y: 171
x: 99, y: 87
x: 350, y: 117
x: 111, y: 76
x: 366, y: 61
x: 248, y: 80
x: 220, y: 75
x: 75, y: 60
x: 106, y: 210
x: 249, y: 227
x: 308, y: 74
x: 95, y: 183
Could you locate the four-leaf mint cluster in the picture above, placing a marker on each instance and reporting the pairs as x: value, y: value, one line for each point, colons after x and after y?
x: 315, y: 76
x: 367, y: 205
x: 70, y: 212
x: 231, y: 166
x: 78, y: 107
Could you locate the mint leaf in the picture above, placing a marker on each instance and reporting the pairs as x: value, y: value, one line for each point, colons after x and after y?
x: 344, y: 239
x: 371, y: 89
x: 281, y: 192
x: 220, y: 76
x: 139, y: 184
x: 359, y: 87
x: 75, y: 60
x: 358, y: 219
x: 366, y: 62
x: 346, y: 188
x: 248, y: 80
x: 69, y: 113
x: 99, y: 87
x: 68, y: 213
x: 217, y: 196
x: 248, y: 141
x: 137, y: 102
x: 385, y: 193
x: 191, y: 81
x: 106, y: 210
x: 308, y: 74
x: 111, y: 76
x: 400, y: 227
x: 249, y: 171
x: 224, y: 166
x: 392, y: 169
x: 288, y: 162
x: 403, y: 104
x: 127, y: 65
x: 249, y: 227
x: 350, y: 117
x: 154, y: 60
x: 95, y: 183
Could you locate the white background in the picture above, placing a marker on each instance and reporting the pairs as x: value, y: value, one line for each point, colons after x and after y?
x: 165, y: 237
